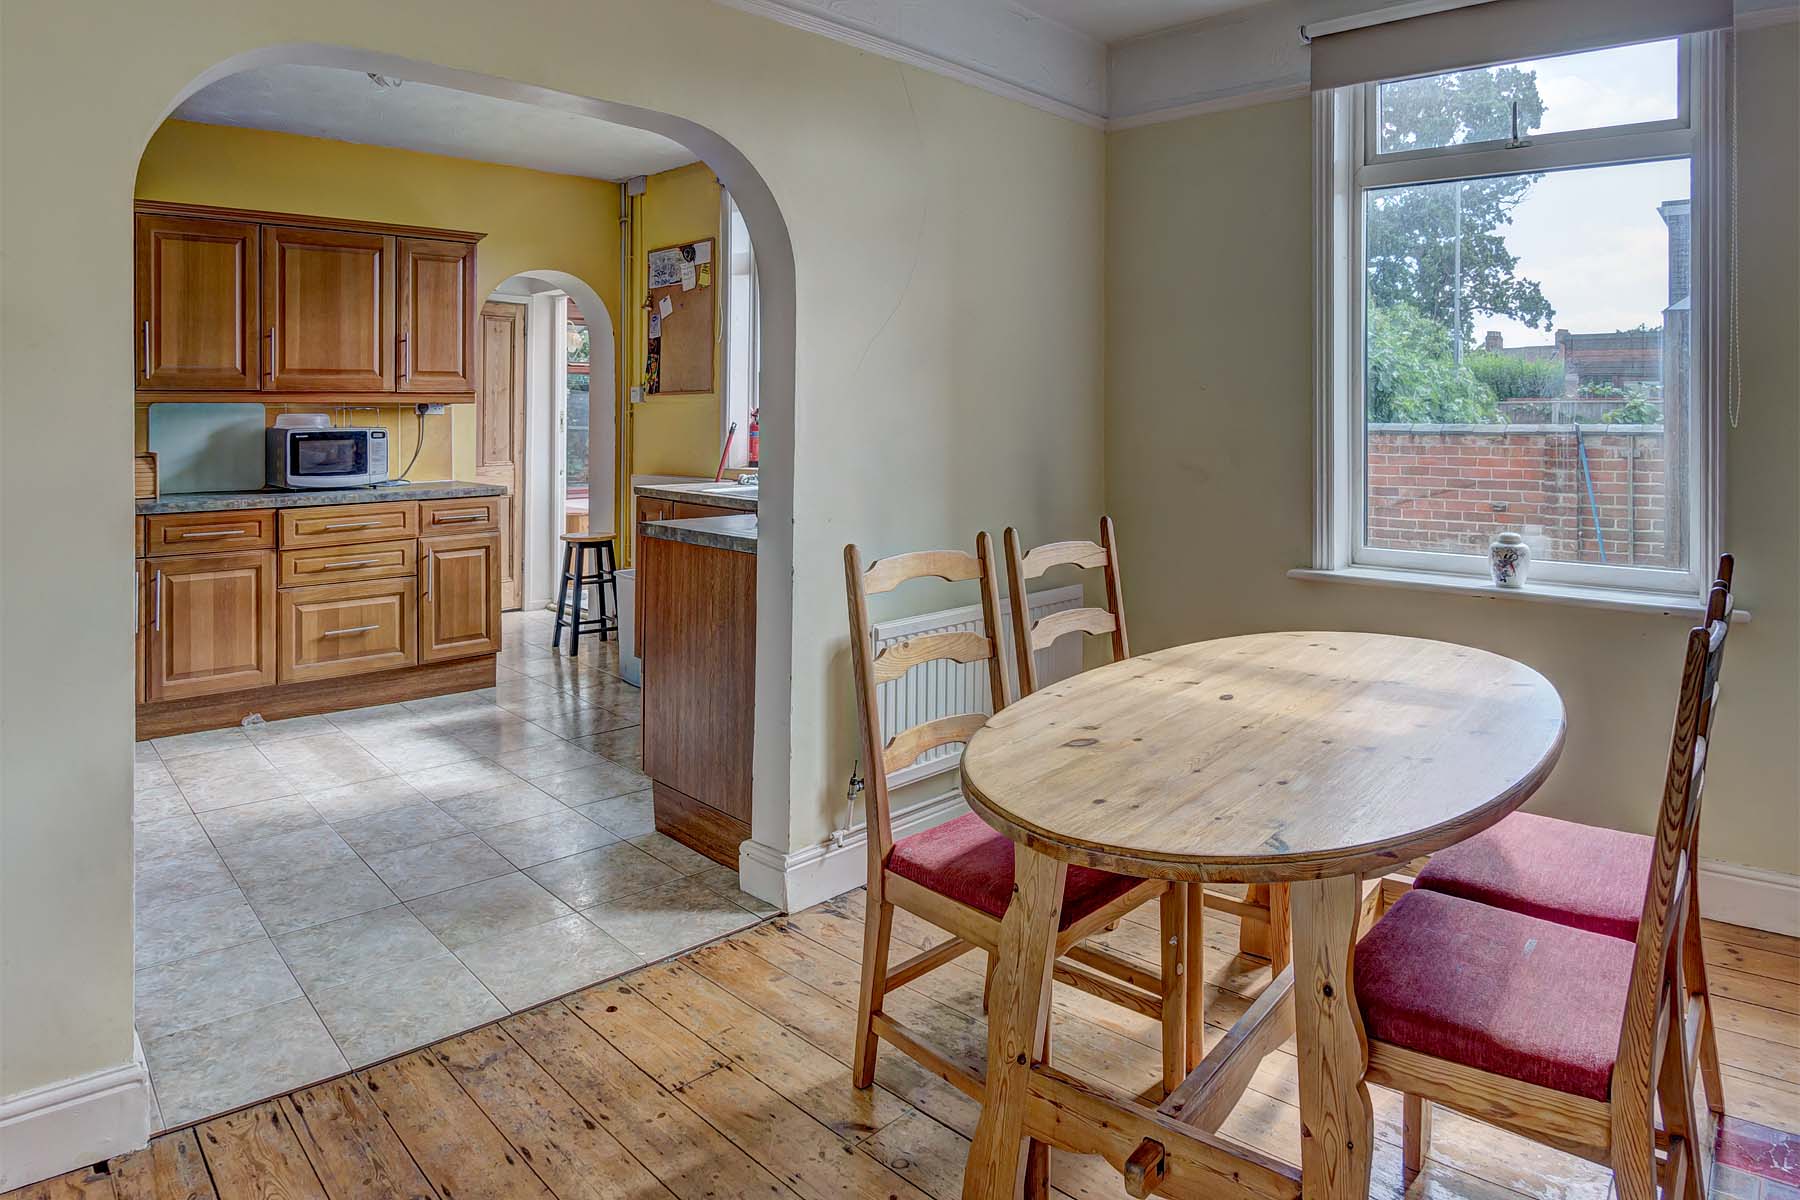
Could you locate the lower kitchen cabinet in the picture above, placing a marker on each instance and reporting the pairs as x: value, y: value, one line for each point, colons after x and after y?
x: 335, y: 629
x: 211, y: 624
x: 459, y: 596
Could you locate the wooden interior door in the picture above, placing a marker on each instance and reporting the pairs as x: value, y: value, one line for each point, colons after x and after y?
x: 500, y: 434
x: 459, y: 596
x: 212, y: 624
x: 437, y: 315
x: 196, y: 292
x: 327, y: 310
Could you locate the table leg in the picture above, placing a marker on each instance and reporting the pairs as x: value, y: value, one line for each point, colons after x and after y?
x: 1194, y: 967
x: 1337, y: 1122
x: 1018, y: 1013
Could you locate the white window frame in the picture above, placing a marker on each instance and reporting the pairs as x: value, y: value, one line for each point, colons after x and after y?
x: 732, y: 406
x: 1345, y: 166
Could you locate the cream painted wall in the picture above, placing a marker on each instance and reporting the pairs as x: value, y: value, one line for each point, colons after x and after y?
x: 533, y: 221
x: 1209, y: 460
x: 678, y: 434
x: 946, y: 257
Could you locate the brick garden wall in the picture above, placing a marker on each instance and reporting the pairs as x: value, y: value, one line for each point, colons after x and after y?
x: 1452, y: 487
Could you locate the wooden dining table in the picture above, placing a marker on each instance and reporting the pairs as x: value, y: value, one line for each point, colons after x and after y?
x: 1312, y: 759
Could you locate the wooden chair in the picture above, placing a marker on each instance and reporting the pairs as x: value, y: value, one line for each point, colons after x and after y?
x: 1558, y: 1033
x: 1580, y: 875
x: 1263, y: 930
x: 959, y: 875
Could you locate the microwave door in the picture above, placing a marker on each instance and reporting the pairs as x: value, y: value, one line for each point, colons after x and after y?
x: 327, y: 455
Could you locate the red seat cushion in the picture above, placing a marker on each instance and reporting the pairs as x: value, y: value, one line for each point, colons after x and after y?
x: 969, y: 861
x: 1496, y: 990
x: 1572, y: 874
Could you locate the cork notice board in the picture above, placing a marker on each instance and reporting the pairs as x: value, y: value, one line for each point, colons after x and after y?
x: 681, y: 318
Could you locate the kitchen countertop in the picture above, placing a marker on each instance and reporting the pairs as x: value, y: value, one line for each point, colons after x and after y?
x: 443, y: 489
x: 701, y: 491
x: 721, y: 533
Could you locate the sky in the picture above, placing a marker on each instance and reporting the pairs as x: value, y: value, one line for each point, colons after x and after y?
x: 1593, y: 238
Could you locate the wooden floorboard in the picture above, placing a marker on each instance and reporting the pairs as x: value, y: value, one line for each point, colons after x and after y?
x: 724, y: 1076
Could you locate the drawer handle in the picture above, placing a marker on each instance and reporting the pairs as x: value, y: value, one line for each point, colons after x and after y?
x: 353, y: 525
x: 349, y: 631
x: 350, y: 562
x: 189, y: 534
x: 447, y: 519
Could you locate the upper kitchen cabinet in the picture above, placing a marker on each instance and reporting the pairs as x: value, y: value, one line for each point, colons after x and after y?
x: 328, y: 310
x: 196, y: 304
x: 437, y: 315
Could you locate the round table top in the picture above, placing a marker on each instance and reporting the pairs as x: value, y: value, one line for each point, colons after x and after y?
x: 1269, y: 757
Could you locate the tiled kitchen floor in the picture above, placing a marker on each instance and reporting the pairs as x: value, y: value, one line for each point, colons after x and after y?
x: 322, y: 893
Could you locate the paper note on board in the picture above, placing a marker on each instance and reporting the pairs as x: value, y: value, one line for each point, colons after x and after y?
x: 702, y: 252
x: 665, y: 306
x: 655, y: 324
x: 703, y: 273
x: 665, y: 267
x: 689, y: 278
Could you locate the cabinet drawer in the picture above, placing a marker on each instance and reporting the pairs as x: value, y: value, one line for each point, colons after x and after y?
x: 347, y: 629
x: 195, y: 533
x: 342, y: 564
x: 345, y: 524
x: 479, y: 515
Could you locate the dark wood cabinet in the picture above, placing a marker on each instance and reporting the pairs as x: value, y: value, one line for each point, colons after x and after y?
x: 328, y: 310
x: 437, y: 315
x: 459, y: 596
x: 196, y: 304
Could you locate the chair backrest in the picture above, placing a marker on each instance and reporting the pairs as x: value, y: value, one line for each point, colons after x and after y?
x: 873, y: 669
x: 1656, y: 995
x: 1028, y: 636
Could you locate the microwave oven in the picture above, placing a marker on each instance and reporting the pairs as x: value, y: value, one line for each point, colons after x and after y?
x: 325, y: 457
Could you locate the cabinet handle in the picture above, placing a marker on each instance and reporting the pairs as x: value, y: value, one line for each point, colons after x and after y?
x: 146, y: 349
x: 425, y: 575
x: 350, y: 562
x: 447, y: 519
x: 352, y: 525
x: 403, y: 356
x: 270, y: 371
x: 156, y: 608
x: 349, y: 631
x: 191, y: 534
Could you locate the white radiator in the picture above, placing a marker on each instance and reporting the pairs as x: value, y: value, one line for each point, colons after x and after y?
x: 943, y: 688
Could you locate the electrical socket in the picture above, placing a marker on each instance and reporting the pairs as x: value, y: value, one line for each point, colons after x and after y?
x: 429, y: 410
x: 637, y: 395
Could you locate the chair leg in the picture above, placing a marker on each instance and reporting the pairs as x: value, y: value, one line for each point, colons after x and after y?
x: 878, y: 931
x: 987, y: 984
x: 1695, y: 963
x: 1675, y: 1091
x: 1172, y: 923
x: 1415, y: 1133
x: 562, y: 601
x: 1037, y: 1154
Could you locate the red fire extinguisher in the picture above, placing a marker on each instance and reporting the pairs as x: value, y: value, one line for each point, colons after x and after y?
x: 753, y: 436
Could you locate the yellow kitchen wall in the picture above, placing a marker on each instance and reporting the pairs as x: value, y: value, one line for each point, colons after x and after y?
x: 533, y: 221
x: 678, y: 435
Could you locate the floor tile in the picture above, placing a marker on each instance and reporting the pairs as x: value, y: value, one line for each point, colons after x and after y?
x: 186, y: 992
x: 355, y: 800
x: 171, y: 835
x: 628, y: 816
x: 438, y: 866
x: 514, y: 801
x: 144, y: 754
x: 669, y: 919
x: 667, y: 850
x: 409, y: 1006
x: 405, y: 750
x: 484, y: 910
x: 494, y: 731
x: 182, y: 877
x: 204, y: 742
x: 158, y: 803
x: 324, y: 760
x: 602, y: 779
x: 583, y: 722
x: 611, y: 692
x: 374, y: 716
x: 151, y: 774
x: 287, y: 729
x: 371, y: 943
x: 228, y: 1063
x: 223, y: 778
x: 265, y: 818
x: 540, y: 839
x: 623, y: 746
x: 619, y: 869
x: 400, y: 828
x: 460, y: 779
x: 724, y: 881
x: 183, y: 928
x: 284, y: 855
x: 302, y: 901
x: 529, y: 966
x: 549, y: 759
x: 538, y: 702
x: 437, y: 706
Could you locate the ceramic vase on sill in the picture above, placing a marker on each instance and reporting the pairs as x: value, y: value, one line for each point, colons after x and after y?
x: 1510, y: 560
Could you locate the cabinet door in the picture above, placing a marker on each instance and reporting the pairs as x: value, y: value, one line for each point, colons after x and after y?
x: 459, y: 596
x: 437, y: 315
x: 212, y: 624
x: 137, y: 654
x: 327, y: 310
x: 347, y: 629
x: 196, y: 290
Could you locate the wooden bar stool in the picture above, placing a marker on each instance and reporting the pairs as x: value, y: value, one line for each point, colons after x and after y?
x: 574, y: 572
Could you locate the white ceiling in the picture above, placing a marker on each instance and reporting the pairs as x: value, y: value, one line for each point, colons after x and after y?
x: 346, y: 106
x: 1115, y: 20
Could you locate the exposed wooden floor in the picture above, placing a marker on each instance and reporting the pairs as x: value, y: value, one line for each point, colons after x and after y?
x: 722, y: 1076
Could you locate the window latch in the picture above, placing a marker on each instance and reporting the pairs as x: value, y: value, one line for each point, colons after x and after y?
x: 1515, y: 142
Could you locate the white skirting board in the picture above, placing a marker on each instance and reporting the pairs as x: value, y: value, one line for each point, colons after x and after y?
x: 818, y: 873
x: 75, y: 1123
x: 1750, y: 896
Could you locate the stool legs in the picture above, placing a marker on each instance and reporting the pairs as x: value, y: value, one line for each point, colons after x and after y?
x: 562, y: 601
x: 575, y: 575
x: 575, y: 626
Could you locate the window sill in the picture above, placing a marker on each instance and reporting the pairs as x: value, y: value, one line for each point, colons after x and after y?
x: 1616, y: 599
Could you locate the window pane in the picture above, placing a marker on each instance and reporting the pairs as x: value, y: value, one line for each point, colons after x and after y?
x: 1627, y: 85
x: 1526, y: 364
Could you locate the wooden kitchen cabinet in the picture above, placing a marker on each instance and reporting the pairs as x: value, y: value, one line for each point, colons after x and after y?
x: 335, y: 629
x: 211, y: 624
x: 459, y: 596
x: 196, y: 297
x: 327, y: 310
x: 437, y: 315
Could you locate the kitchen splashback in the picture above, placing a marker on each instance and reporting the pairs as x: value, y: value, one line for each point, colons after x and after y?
x: 207, y: 447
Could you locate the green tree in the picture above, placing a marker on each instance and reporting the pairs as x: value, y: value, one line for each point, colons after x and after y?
x: 1413, y: 375
x: 1412, y: 231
